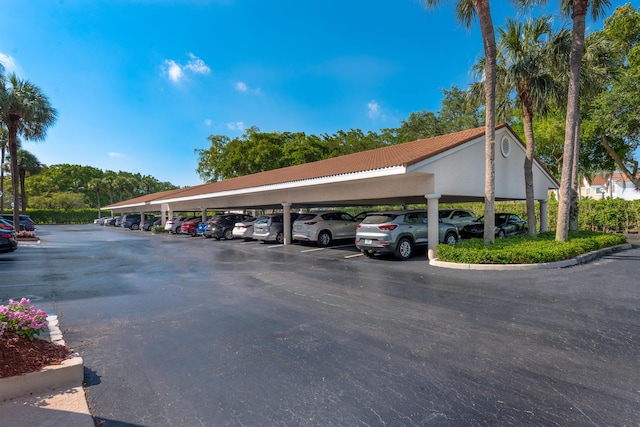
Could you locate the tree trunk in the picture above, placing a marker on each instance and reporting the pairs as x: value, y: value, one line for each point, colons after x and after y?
x: 527, y: 118
x: 2, y: 180
x: 573, y: 113
x: 13, y: 153
x: 23, y: 195
x: 575, y: 183
x: 620, y: 163
x: 489, y: 41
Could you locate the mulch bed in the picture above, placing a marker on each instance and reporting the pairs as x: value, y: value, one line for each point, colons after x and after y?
x: 18, y: 355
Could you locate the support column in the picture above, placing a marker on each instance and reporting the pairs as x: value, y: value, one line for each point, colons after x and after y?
x: 544, y: 215
x: 203, y: 214
x: 286, y: 222
x: 434, y: 220
x: 165, y: 213
x: 141, y: 220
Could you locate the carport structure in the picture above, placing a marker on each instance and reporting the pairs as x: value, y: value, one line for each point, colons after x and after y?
x: 443, y: 169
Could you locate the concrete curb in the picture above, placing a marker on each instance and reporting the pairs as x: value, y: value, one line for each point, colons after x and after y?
x: 581, y: 259
x: 70, y: 373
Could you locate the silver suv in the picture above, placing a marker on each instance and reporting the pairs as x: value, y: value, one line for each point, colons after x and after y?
x: 399, y: 232
x: 269, y: 228
x: 324, y: 227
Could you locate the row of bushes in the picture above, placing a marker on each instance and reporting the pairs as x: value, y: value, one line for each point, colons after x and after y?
x: 607, y: 215
x: 524, y: 249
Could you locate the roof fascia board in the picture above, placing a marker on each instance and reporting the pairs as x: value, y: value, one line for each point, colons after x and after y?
x: 390, y: 171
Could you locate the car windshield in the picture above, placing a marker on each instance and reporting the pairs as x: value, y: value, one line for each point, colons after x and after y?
x: 379, y: 218
x: 444, y: 214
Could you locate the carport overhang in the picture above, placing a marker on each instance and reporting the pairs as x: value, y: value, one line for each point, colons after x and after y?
x: 452, y: 175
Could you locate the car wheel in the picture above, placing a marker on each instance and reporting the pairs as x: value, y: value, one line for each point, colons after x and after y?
x: 280, y: 238
x: 501, y: 234
x: 324, y: 239
x: 369, y: 253
x: 404, y: 250
x: 135, y: 227
x: 228, y: 234
x: 450, y: 239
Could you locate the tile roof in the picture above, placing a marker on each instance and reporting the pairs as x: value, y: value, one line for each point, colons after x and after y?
x: 406, y: 154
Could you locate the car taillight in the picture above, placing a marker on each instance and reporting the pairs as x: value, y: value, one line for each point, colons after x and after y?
x: 388, y: 227
x: 358, y: 227
x: 6, y: 236
x: 310, y: 222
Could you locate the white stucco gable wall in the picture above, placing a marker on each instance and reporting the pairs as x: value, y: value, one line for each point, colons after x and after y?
x: 461, y: 171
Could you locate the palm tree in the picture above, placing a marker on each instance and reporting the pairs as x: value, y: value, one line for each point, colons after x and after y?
x: 526, y: 55
x: 26, y: 110
x: 577, y: 9
x: 466, y: 10
x: 96, y: 184
x: 3, y: 153
x: 27, y: 163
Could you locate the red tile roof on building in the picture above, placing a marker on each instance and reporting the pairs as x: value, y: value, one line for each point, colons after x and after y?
x: 404, y: 155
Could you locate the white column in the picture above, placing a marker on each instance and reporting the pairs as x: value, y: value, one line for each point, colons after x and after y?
x: 165, y: 213
x: 286, y: 222
x: 432, y: 229
x: 544, y: 215
x: 203, y: 214
x: 141, y: 220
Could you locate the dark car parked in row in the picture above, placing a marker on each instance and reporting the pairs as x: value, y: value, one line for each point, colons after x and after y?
x: 8, y: 242
x: 132, y: 221
x: 506, y: 224
x: 26, y: 223
x: 221, y: 226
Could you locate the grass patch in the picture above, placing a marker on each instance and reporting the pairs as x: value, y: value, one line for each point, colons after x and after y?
x: 523, y: 249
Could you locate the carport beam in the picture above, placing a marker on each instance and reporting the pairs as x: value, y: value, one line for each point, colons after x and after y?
x: 432, y: 229
x: 286, y: 222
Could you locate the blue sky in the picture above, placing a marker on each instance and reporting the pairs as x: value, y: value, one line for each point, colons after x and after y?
x: 140, y: 84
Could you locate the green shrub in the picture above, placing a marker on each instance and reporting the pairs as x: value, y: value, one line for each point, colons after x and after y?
x: 527, y: 250
x: 157, y: 229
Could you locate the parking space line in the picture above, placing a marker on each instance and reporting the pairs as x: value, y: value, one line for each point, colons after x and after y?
x: 276, y: 246
x: 354, y: 255
x: 313, y: 250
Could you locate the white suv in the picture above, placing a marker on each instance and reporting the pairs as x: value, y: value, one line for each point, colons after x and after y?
x: 324, y: 227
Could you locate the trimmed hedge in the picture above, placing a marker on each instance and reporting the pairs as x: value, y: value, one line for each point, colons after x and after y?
x: 523, y: 249
x: 68, y: 216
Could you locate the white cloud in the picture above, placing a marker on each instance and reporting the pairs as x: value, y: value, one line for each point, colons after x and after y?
x: 235, y: 126
x: 373, y: 109
x: 173, y: 70
x: 197, y: 65
x: 207, y: 122
x: 115, y: 154
x: 241, y: 86
x: 9, y: 63
x: 176, y: 72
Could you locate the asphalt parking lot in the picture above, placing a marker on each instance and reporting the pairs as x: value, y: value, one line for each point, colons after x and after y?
x: 178, y: 331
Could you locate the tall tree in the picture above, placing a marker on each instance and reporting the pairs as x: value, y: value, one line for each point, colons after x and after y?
x: 527, y: 52
x: 466, y: 10
x: 577, y: 9
x: 4, y: 140
x: 27, y: 164
x: 613, y: 122
x: 96, y: 185
x: 26, y: 110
